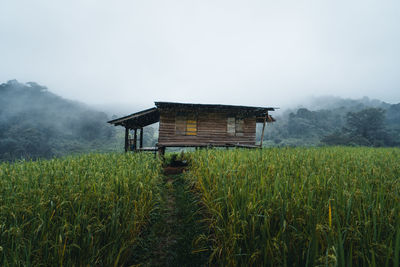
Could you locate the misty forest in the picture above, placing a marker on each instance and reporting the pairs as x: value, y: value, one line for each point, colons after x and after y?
x: 35, y: 123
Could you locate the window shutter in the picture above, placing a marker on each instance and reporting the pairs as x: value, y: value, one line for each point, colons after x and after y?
x: 231, y: 126
x: 180, y: 124
x: 239, y: 127
x: 191, y: 125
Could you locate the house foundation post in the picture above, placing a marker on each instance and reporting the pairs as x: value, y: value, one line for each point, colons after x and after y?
x: 141, y: 138
x: 135, y: 141
x: 161, y: 151
x: 263, y: 129
x: 126, y: 139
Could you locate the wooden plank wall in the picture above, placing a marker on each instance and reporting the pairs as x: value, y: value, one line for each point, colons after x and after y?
x: 211, y: 129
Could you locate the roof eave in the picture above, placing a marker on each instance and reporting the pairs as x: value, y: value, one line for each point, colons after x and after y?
x: 131, y: 116
x: 166, y: 105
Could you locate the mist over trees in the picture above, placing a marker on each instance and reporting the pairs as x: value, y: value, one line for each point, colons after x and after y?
x: 366, y: 127
x: 35, y: 123
x: 336, y: 121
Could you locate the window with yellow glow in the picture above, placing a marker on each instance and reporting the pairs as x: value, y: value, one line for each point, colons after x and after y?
x: 185, y: 124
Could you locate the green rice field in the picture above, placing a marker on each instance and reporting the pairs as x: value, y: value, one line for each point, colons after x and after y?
x: 78, y: 211
x: 329, y: 206
x: 301, y: 206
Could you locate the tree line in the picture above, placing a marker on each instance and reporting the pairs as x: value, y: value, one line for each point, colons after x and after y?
x: 35, y: 123
x: 350, y: 123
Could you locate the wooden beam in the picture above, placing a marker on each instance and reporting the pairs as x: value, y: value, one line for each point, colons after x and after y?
x: 141, y: 137
x: 135, y: 140
x: 126, y: 139
x: 161, y: 151
x: 263, y: 129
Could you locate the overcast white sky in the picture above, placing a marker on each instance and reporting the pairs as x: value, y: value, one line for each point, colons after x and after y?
x: 262, y: 53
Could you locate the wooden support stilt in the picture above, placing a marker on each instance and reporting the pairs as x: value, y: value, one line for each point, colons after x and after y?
x: 263, y: 129
x: 135, y: 141
x: 161, y: 151
x: 141, y: 137
x: 126, y: 139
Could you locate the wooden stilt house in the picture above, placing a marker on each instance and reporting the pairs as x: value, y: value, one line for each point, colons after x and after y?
x: 196, y: 125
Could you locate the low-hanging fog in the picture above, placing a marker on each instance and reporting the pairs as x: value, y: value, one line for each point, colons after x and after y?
x: 262, y: 53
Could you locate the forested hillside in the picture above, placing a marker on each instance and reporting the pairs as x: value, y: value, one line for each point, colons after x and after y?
x: 35, y: 123
x: 337, y: 121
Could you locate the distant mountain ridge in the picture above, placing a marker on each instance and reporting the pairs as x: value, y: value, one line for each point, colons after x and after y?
x: 324, y: 116
x: 35, y: 123
x: 333, y: 102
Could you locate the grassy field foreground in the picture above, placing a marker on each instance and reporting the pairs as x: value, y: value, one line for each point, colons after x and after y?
x: 79, y: 211
x: 298, y: 206
x: 270, y: 207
